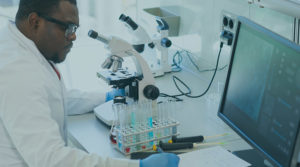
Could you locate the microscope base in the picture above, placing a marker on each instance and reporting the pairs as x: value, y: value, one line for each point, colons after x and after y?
x: 160, y: 72
x: 105, y: 113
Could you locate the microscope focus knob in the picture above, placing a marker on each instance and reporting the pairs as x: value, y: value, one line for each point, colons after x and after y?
x: 165, y: 42
x: 151, y: 92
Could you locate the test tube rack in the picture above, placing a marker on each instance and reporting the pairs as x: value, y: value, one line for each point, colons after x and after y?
x: 131, y: 140
x: 142, y: 136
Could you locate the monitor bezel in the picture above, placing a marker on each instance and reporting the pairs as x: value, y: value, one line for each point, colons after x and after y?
x: 242, y: 20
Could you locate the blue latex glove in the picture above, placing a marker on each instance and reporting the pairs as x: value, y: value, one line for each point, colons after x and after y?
x: 114, y: 92
x: 160, y: 160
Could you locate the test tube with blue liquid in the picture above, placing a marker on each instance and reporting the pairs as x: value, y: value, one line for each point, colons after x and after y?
x: 148, y: 107
x: 119, y: 110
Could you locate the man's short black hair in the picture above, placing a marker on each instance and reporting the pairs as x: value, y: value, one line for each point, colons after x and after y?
x: 44, y: 7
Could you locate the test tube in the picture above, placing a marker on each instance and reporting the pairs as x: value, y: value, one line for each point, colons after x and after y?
x: 143, y: 115
x: 122, y: 116
x: 169, y: 109
x: 173, y: 107
x: 132, y: 122
x: 118, y: 109
x: 165, y: 112
x: 160, y: 113
x: 160, y: 119
x: 132, y: 110
x: 154, y: 111
x: 135, y: 123
x: 150, y: 120
x: 166, y: 108
x: 127, y: 124
x: 142, y: 119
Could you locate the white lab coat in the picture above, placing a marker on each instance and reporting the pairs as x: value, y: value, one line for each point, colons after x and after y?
x: 33, y: 102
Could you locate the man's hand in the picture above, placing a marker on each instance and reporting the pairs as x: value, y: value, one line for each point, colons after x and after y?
x: 114, y: 92
x: 160, y: 160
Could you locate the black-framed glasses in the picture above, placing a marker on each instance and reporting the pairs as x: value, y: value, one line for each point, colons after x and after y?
x: 69, y: 28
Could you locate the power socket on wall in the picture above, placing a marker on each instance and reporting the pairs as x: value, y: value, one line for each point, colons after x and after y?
x: 228, y: 21
x: 228, y: 27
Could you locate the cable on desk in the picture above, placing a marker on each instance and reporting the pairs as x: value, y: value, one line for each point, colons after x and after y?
x: 176, y: 62
x: 176, y: 97
x: 171, y: 96
x: 178, y: 59
x: 185, y: 85
x: 220, y: 69
x: 197, y: 67
x: 212, y: 79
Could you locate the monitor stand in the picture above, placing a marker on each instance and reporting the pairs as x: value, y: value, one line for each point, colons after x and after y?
x: 253, y: 157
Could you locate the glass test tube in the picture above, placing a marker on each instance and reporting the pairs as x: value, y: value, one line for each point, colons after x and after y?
x: 166, y: 108
x: 136, y: 125
x: 130, y: 126
x: 174, y: 106
x: 140, y: 124
x: 118, y: 109
x: 160, y: 119
x: 148, y: 107
x: 122, y: 116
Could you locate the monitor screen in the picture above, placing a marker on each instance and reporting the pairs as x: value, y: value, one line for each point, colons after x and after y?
x: 261, y: 100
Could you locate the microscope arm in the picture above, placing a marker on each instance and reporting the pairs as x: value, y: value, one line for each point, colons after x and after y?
x: 148, y: 80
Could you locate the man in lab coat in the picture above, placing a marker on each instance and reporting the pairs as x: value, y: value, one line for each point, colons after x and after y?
x: 33, y: 100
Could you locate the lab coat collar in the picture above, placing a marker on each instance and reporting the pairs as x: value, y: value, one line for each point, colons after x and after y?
x: 19, y: 36
x: 30, y: 45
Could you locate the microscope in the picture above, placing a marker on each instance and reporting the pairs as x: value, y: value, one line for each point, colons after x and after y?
x: 138, y: 85
x: 159, y: 40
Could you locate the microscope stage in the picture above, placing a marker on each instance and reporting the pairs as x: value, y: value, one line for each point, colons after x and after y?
x: 120, y: 77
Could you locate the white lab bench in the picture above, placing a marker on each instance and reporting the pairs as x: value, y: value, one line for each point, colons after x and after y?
x: 196, y: 116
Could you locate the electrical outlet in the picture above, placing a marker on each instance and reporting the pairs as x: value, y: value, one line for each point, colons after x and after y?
x: 228, y: 22
x: 228, y: 27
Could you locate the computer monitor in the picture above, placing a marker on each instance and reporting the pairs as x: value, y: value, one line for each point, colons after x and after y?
x: 261, y: 99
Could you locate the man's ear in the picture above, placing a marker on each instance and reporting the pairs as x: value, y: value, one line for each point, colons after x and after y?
x: 34, y: 21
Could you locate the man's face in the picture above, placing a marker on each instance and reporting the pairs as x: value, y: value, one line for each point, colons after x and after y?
x: 51, y: 39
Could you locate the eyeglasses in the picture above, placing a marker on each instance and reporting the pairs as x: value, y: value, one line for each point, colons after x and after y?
x: 69, y: 28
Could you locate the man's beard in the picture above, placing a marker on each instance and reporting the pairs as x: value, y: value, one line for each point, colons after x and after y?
x: 56, y: 59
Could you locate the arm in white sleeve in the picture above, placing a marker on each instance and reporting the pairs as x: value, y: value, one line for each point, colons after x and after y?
x: 79, y: 102
x: 26, y: 115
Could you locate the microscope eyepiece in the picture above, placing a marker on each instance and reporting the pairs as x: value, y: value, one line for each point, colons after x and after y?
x: 129, y: 21
x: 93, y: 34
x: 122, y: 17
